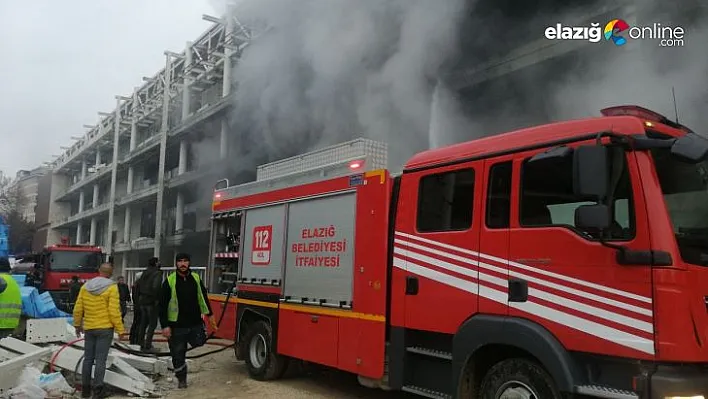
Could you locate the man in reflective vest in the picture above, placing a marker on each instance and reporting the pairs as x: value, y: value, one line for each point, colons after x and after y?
x: 10, y: 300
x: 183, y: 304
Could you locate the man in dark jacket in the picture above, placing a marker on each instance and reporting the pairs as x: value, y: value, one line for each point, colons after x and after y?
x: 135, y: 326
x: 124, y: 293
x: 74, y: 288
x: 182, y: 307
x: 149, y: 286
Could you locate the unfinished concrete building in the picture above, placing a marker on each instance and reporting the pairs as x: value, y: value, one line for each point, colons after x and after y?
x: 129, y: 184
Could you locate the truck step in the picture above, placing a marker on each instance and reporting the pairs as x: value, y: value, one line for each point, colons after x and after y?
x: 598, y: 391
x: 428, y: 393
x: 430, y: 352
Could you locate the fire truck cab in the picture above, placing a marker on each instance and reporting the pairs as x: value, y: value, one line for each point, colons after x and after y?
x: 57, y: 264
x: 558, y: 260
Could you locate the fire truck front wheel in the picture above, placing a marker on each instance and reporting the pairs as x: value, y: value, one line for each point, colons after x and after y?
x: 518, y: 378
x: 261, y: 359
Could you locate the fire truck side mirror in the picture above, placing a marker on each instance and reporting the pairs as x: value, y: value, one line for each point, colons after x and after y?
x: 591, y: 172
x: 690, y: 148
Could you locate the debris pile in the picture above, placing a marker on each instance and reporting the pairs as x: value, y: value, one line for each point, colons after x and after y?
x: 52, y: 344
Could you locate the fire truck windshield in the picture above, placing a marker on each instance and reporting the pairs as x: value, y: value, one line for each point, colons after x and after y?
x: 685, y: 189
x: 74, y: 261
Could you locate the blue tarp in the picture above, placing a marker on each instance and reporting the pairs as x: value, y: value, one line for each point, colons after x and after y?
x: 40, y: 306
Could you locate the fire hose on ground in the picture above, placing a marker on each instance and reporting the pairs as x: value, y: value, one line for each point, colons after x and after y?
x: 122, y: 348
x: 210, y: 337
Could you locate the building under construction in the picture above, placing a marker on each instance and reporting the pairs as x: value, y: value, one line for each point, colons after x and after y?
x: 130, y: 183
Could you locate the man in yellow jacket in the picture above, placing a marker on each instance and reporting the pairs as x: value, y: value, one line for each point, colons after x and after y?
x: 97, y: 315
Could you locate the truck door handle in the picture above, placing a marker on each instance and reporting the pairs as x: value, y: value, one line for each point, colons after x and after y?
x: 518, y: 290
x: 411, y: 285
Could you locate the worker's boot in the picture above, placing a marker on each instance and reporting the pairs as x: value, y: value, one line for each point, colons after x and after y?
x: 100, y: 393
x: 182, y: 384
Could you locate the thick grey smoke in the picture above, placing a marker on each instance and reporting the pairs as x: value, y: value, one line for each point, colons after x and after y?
x: 332, y: 70
x: 599, y: 75
x: 644, y: 74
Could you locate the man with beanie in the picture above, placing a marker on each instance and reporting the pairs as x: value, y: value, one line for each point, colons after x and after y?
x: 182, y: 307
x: 97, y: 315
x: 10, y: 300
x: 149, y: 300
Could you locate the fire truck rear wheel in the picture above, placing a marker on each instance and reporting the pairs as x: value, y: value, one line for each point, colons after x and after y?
x: 261, y: 359
x: 518, y: 379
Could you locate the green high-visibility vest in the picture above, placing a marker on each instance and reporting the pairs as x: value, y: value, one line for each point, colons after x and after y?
x: 10, y: 303
x: 173, y: 306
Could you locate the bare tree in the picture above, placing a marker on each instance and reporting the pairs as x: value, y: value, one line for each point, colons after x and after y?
x: 12, y: 204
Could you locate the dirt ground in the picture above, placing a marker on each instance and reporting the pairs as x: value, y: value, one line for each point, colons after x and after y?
x: 222, y: 376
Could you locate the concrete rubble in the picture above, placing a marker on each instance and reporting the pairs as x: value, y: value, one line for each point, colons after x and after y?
x: 53, y: 340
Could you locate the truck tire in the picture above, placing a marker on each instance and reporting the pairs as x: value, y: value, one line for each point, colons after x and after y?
x: 261, y: 359
x: 518, y: 378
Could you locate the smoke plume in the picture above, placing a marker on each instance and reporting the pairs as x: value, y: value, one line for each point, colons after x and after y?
x: 331, y: 70
x: 328, y: 71
x: 596, y: 75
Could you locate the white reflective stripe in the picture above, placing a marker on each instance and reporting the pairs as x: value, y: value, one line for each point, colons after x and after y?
x: 10, y: 306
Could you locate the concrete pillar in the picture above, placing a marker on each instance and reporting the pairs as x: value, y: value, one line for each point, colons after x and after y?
x: 179, y: 213
x: 225, y: 92
x: 95, y: 195
x: 228, y: 65
x: 114, y: 177
x: 82, y: 200
x: 79, y: 233
x: 223, y: 139
x: 186, y: 92
x: 131, y: 177
x: 126, y: 225
x: 92, y: 234
x: 98, y: 157
x: 134, y: 123
x: 163, y: 154
x: 84, y: 169
x: 182, y: 157
x: 124, y: 262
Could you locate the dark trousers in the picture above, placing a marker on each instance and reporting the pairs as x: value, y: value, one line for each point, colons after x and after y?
x: 148, y: 323
x: 181, y: 336
x: 135, y: 327
x: 123, y: 309
x: 6, y: 332
x: 97, y: 343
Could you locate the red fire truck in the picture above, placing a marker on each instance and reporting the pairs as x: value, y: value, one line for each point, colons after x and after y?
x: 57, y: 264
x: 568, y: 259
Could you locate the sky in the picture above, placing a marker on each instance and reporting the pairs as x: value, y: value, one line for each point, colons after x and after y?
x: 63, y: 62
